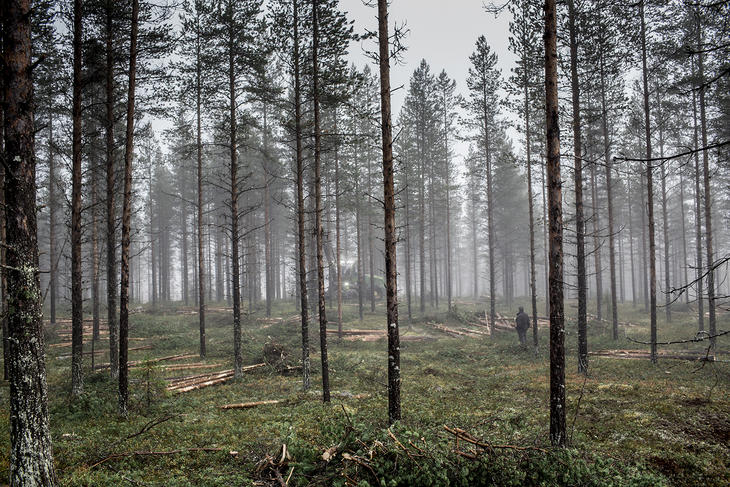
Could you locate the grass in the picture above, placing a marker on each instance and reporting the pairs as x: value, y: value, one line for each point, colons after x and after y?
x: 630, y: 422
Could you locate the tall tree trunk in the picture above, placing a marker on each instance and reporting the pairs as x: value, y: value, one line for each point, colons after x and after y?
x: 235, y: 278
x: 199, y: 154
x: 557, y: 328
x: 321, y: 304
x: 448, y: 224
x: 371, y: 261
x: 31, y: 458
x: 578, y: 181
x: 358, y: 237
x: 111, y: 223
x: 649, y: 188
x: 409, y: 275
x: 3, y: 280
x: 490, y: 219
x: 545, y: 239
x: 53, y: 271
x: 127, y: 218
x: 391, y: 270
x: 300, y: 202
x: 631, y: 243
x: 153, y: 239
x: 422, y: 230
x: 269, y: 274
x: 95, y: 305
x: 530, y: 202
x: 596, y: 244
x: 77, y: 312
x: 609, y: 201
x: 644, y: 263
x: 337, y: 233
x: 708, y: 193
x: 665, y: 222
x: 698, y: 214
x: 185, y: 288
x: 474, y: 247
x: 683, y: 217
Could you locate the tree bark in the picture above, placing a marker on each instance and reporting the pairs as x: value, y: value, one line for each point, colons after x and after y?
x: 321, y: 304
x: 127, y: 218
x: 199, y: 154
x: 300, y: 203
x: 391, y: 270
x: 111, y: 240
x: 31, y: 458
x: 77, y: 313
x: 557, y: 329
x: 235, y: 277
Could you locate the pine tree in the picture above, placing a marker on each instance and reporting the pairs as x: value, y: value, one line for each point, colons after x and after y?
x: 483, y: 83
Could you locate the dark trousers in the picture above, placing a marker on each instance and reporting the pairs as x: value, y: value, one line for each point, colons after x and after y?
x: 522, y: 333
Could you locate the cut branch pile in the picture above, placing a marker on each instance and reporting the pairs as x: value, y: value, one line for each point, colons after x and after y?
x: 194, y: 382
x: 480, y: 446
x: 270, y: 468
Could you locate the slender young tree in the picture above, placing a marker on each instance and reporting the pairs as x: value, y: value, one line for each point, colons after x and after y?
x: 557, y: 326
x: 31, y: 457
x: 483, y: 83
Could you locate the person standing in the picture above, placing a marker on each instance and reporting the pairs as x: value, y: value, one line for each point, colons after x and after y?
x: 522, y: 323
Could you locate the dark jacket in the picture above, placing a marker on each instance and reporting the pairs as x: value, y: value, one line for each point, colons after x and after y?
x: 523, y: 321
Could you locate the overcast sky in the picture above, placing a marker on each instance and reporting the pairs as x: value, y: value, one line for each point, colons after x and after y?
x: 443, y: 32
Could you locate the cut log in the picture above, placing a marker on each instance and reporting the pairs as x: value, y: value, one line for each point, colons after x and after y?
x: 246, y: 405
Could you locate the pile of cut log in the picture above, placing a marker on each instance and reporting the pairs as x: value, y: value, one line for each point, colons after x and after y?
x: 194, y: 382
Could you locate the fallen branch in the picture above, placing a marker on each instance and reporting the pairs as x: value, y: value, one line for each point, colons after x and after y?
x: 699, y: 337
x: 461, y: 434
x: 639, y: 354
x: 246, y: 405
x: 147, y: 426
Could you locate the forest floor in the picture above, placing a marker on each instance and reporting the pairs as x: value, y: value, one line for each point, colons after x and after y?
x: 629, y: 422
